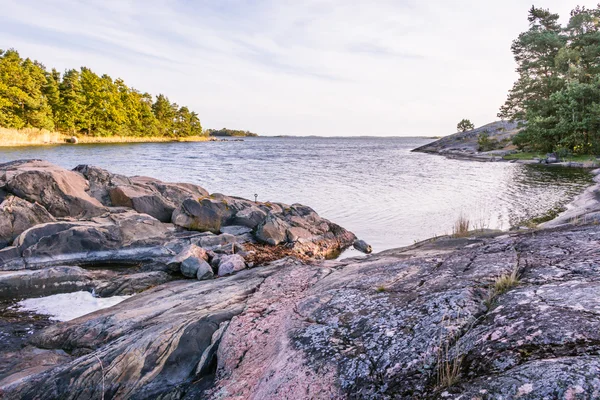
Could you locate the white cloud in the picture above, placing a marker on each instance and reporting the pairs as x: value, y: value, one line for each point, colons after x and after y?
x: 286, y: 67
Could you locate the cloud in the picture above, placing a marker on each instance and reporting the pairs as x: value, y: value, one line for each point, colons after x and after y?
x: 322, y: 67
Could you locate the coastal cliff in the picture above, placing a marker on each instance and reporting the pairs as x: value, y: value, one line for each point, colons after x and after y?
x: 235, y: 300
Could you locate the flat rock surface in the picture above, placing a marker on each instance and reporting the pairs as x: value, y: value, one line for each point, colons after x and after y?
x: 382, y: 327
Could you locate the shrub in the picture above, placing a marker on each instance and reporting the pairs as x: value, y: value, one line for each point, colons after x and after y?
x: 486, y: 143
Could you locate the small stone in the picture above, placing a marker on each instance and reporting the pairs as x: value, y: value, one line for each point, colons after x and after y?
x: 231, y: 263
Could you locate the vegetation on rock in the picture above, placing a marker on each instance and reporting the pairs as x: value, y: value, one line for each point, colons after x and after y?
x: 465, y: 125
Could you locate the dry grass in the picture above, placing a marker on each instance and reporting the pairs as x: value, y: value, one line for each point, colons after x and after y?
x: 448, y: 369
x: 501, y: 285
x: 136, y: 139
x: 461, y: 226
x: 449, y: 362
x: 32, y: 137
x: 29, y: 136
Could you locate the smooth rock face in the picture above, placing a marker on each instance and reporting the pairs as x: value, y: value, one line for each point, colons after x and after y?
x: 150, y: 345
x: 63, y: 193
x: 18, y: 215
x: 272, y: 231
x: 144, y: 194
x: 95, y: 231
x: 204, y: 215
x: 142, y: 200
x: 43, y: 282
x: 378, y: 328
x: 118, y: 237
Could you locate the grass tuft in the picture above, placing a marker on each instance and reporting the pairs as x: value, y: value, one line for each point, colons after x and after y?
x: 461, y: 226
x: 501, y: 285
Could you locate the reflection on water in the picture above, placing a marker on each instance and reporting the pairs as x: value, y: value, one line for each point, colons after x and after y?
x: 375, y: 187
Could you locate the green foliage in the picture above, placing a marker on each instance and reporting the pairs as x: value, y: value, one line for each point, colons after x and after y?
x: 82, y: 102
x: 557, y: 94
x: 486, y: 143
x: 229, y: 132
x: 465, y: 125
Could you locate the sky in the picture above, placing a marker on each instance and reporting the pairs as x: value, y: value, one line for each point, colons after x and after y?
x: 288, y: 67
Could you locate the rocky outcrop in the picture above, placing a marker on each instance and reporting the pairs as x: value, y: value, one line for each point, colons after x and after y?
x: 446, y: 318
x: 143, y: 194
x: 63, y: 193
x: 193, y: 260
x: 466, y: 144
x: 18, y: 215
x: 55, y: 217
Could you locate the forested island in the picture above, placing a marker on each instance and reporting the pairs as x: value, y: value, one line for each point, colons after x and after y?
x: 81, y: 102
x: 230, y: 132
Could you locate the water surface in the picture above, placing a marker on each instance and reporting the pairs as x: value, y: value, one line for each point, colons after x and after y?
x: 374, y: 187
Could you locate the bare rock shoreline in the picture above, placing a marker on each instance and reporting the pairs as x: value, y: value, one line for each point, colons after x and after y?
x: 512, y: 315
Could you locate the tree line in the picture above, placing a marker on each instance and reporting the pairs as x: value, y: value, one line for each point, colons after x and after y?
x: 557, y: 95
x: 82, y: 102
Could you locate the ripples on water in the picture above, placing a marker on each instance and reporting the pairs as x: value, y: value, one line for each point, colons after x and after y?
x: 375, y: 187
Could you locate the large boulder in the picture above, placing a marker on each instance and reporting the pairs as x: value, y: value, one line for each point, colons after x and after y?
x: 142, y: 200
x: 250, y: 217
x: 175, y: 193
x: 18, y: 215
x: 272, y: 231
x: 62, y: 192
x: 101, y: 182
x: 204, y: 215
x: 127, y: 237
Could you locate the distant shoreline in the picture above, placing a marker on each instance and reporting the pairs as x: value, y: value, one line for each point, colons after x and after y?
x: 36, y: 137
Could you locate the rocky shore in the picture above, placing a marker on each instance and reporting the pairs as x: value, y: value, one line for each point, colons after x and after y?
x: 465, y: 146
x: 236, y: 299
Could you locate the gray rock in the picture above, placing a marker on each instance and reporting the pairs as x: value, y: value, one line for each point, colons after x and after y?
x: 236, y: 230
x: 204, y: 271
x: 100, y: 181
x: 18, y: 215
x: 177, y: 320
x: 125, y: 237
x: 188, y: 252
x: 63, y: 193
x: 231, y: 263
x: 127, y: 284
x: 142, y: 200
x: 381, y: 327
x: 45, y: 282
x: 272, y: 231
x: 250, y: 217
x: 175, y: 193
x: 363, y: 246
x: 165, y: 194
x: 204, y: 215
x: 213, y: 242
